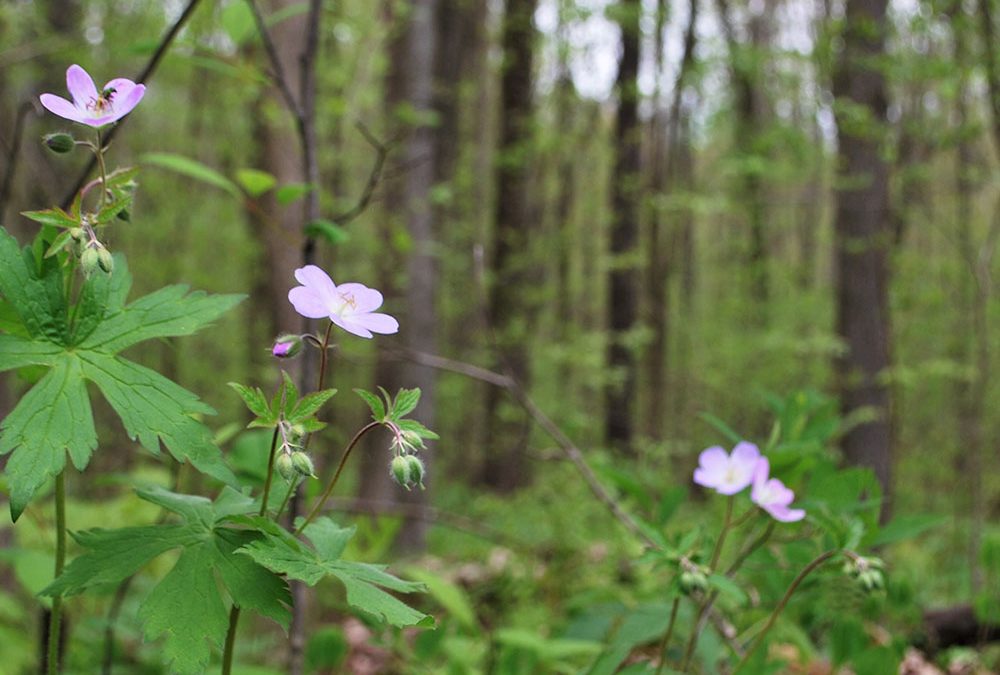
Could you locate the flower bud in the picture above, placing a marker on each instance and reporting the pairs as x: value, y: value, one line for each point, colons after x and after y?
x: 417, y: 470
x: 693, y: 580
x: 89, y: 261
x: 78, y: 235
x: 105, y: 260
x: 286, y: 346
x: 303, y: 465
x: 400, y: 470
x: 285, y: 467
x: 59, y: 143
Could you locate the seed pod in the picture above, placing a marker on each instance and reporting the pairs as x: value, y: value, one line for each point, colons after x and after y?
x: 89, y: 261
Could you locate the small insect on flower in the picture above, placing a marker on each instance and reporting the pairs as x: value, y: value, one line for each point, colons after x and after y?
x: 92, y: 107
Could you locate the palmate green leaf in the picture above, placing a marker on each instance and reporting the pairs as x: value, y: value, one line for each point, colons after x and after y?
x: 364, y: 583
x: 187, y: 608
x: 255, y: 401
x: 55, y: 416
x: 52, y: 419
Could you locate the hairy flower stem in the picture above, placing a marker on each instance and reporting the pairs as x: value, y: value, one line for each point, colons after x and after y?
x: 336, y: 476
x: 99, y: 154
x: 806, y: 571
x: 227, y: 653
x: 55, y: 615
x: 323, y: 358
x: 270, y: 473
x: 707, y: 603
x: 662, y: 650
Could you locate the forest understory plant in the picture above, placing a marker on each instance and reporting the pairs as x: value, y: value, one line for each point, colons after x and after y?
x: 64, y: 312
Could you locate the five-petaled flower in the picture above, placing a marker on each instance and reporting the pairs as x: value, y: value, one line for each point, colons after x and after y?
x: 727, y: 474
x: 771, y: 494
x: 351, y: 306
x: 91, y: 107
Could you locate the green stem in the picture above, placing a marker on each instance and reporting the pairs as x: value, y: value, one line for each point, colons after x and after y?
x: 227, y: 653
x: 270, y: 473
x: 55, y: 616
x: 336, y: 476
x: 667, y: 635
x: 748, y: 551
x: 806, y: 571
x: 707, y: 604
x: 288, y: 496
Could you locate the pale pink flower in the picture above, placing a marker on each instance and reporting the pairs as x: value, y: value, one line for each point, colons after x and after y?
x: 351, y: 306
x: 91, y: 107
x: 727, y: 474
x: 771, y: 495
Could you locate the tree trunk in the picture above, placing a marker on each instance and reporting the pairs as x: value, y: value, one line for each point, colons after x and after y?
x: 862, y: 235
x: 622, y: 308
x: 510, y: 310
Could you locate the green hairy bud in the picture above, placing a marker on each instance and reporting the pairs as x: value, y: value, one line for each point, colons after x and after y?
x: 417, y: 470
x: 400, y: 470
x: 105, y: 260
x: 59, y: 143
x: 303, y: 465
x: 285, y: 467
x: 90, y: 261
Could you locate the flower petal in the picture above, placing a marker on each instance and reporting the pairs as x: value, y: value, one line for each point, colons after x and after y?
x: 713, y: 458
x: 746, y: 454
x: 784, y: 514
x: 308, y: 303
x: 60, y: 106
x: 376, y: 322
x: 81, y: 86
x: 351, y: 326
x: 365, y: 299
x: 313, y: 277
x: 123, y: 103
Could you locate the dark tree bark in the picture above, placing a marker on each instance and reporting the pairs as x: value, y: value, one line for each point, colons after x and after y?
x: 862, y: 235
x: 510, y: 309
x: 668, y: 176
x: 622, y: 308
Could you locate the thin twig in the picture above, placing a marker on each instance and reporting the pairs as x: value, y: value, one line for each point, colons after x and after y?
x: 142, y: 77
x: 278, y: 71
x: 374, y: 177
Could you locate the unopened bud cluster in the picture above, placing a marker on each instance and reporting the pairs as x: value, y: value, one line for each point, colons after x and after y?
x: 693, y: 577
x: 92, y: 253
x: 405, y: 467
x: 292, y: 463
x: 867, y: 572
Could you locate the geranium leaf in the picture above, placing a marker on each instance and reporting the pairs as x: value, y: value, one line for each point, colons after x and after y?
x: 363, y: 583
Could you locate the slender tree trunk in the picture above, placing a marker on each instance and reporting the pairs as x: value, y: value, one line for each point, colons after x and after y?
x: 510, y: 310
x: 862, y: 236
x: 622, y: 308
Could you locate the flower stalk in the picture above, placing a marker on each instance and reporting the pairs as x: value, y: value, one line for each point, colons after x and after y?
x: 55, y: 615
